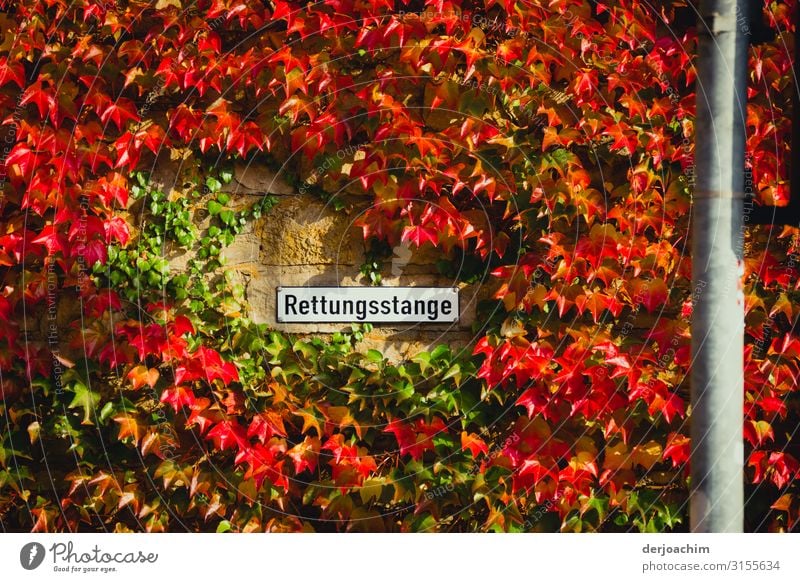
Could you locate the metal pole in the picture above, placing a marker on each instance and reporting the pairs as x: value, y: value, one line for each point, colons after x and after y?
x: 717, y: 458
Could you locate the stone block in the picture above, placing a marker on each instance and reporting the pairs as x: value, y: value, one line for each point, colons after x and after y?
x: 248, y: 178
x: 305, y: 231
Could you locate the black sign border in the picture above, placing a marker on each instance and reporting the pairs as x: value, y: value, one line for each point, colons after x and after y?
x: 356, y: 321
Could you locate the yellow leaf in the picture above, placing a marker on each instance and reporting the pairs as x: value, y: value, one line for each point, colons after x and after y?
x: 309, y: 420
x: 371, y: 489
x: 647, y: 454
x: 161, y: 4
x: 617, y: 457
x: 33, y: 431
x: 340, y: 416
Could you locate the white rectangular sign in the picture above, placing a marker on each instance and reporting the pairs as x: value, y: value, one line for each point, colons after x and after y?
x: 367, y: 305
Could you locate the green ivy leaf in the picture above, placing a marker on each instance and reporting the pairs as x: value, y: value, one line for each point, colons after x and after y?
x: 213, y: 184
x: 86, y: 399
x: 214, y: 207
x: 226, y: 216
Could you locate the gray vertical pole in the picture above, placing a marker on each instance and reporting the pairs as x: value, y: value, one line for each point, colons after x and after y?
x: 717, y: 457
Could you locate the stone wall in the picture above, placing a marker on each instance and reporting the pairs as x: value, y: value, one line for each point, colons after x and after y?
x: 304, y: 241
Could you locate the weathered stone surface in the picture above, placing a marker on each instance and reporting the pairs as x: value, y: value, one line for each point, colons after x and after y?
x: 244, y: 250
x: 304, y: 231
x: 399, y: 345
x: 165, y: 174
x: 259, y: 178
x: 178, y: 260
